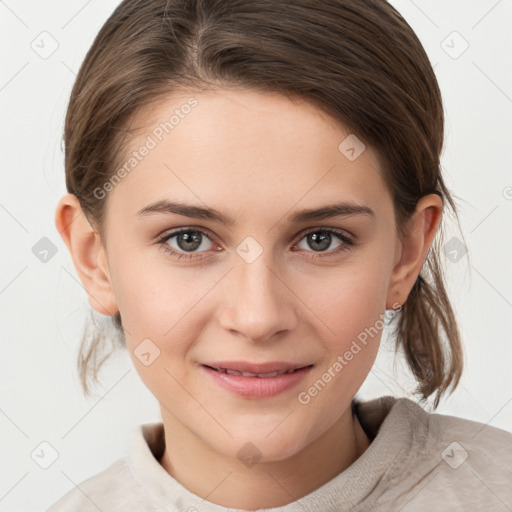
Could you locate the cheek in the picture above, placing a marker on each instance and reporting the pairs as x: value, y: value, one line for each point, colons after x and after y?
x: 349, y: 300
x: 350, y: 308
x: 150, y: 296
x: 159, y: 316
x: 160, y: 304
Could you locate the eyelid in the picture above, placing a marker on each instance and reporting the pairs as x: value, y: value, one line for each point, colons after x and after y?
x: 183, y: 229
x: 205, y: 231
x: 347, y: 239
x: 314, y: 229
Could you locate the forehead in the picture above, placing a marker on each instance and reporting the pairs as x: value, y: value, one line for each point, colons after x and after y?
x: 244, y: 148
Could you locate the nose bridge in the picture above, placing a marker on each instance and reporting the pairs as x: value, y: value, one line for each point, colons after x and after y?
x: 254, y: 266
x: 261, y: 305
x: 258, y: 279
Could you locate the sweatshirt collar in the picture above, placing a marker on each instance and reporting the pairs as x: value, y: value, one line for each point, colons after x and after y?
x: 387, y: 421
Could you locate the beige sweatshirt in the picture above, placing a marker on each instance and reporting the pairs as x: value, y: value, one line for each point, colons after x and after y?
x: 417, y: 461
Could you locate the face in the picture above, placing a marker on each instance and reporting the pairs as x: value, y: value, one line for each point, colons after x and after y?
x: 277, y: 286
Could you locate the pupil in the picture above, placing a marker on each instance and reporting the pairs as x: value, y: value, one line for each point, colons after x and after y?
x: 189, y: 241
x: 324, y: 239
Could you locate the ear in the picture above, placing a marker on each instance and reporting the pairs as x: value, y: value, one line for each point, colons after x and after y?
x: 88, y: 253
x: 412, y: 251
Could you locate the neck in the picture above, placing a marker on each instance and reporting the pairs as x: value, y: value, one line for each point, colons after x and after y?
x: 220, y: 479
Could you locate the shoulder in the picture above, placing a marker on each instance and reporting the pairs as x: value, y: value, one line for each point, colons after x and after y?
x: 459, y: 440
x: 462, y: 440
x: 446, y: 460
x: 476, y: 452
x: 434, y: 428
x: 129, y: 484
x: 112, y: 489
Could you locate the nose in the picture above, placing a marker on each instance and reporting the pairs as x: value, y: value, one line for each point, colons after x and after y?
x: 259, y: 304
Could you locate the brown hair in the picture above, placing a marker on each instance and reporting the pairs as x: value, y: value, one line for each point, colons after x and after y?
x: 360, y: 62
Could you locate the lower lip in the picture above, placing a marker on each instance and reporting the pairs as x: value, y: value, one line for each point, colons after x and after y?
x: 257, y: 387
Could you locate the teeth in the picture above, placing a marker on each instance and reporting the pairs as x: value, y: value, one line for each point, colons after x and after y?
x: 248, y: 374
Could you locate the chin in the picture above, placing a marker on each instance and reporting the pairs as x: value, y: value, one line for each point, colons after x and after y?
x: 264, y: 444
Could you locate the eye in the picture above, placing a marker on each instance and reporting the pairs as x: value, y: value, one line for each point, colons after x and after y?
x: 189, y: 243
x: 320, y: 239
x: 180, y: 242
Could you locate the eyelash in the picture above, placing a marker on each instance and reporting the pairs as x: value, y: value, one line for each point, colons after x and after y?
x: 347, y: 244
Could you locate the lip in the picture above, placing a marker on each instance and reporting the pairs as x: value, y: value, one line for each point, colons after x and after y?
x: 244, y: 366
x: 254, y: 386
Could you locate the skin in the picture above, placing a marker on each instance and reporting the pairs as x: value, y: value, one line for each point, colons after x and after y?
x: 258, y: 158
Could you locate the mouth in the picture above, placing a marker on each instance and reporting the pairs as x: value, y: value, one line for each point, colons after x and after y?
x: 256, y: 380
x: 262, y: 371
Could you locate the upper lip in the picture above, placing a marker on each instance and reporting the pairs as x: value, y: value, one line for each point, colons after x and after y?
x: 244, y: 366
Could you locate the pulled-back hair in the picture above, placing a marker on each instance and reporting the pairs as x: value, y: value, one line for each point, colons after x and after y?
x: 358, y: 61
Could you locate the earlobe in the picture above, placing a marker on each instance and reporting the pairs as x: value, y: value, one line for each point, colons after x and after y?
x: 414, y: 247
x: 87, y: 252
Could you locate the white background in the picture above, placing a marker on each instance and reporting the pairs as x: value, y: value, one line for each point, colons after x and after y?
x: 44, y: 307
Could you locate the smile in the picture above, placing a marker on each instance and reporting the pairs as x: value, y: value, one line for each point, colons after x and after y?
x: 249, y: 374
x: 259, y: 383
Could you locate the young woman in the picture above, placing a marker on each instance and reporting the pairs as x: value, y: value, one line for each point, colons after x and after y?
x: 254, y: 193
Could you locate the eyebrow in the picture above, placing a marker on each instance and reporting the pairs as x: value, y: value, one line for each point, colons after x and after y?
x: 344, y: 209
